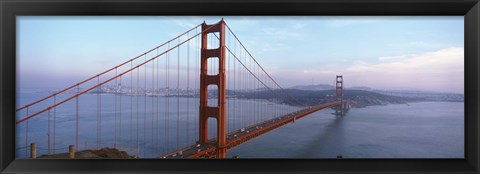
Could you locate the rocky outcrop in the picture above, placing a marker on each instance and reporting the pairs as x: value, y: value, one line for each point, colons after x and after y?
x: 101, y: 153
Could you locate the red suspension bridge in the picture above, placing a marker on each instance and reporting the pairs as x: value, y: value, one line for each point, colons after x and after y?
x: 194, y: 96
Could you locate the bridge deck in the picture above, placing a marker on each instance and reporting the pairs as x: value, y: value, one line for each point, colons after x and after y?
x: 240, y: 136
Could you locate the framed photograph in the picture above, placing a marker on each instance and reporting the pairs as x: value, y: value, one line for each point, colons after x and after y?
x: 152, y: 86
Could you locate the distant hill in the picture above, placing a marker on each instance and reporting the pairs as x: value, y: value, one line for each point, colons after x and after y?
x: 361, y: 88
x: 426, y: 95
x: 319, y: 87
x: 322, y: 87
x: 359, y: 98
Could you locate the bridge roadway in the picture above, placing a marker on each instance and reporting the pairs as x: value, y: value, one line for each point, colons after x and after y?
x: 235, y: 138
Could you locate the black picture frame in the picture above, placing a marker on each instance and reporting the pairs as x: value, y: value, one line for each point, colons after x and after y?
x: 470, y: 9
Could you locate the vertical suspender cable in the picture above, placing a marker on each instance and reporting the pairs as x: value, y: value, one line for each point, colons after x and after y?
x: 167, y: 100
x: 197, y: 57
x: 234, y: 87
x: 154, y: 112
x: 115, y: 113
x: 240, y: 86
x: 26, y: 136
x: 228, y: 88
x: 158, y: 107
x: 98, y: 111
x: 131, y: 106
x: 100, y: 119
x: 54, y: 121
x: 152, y: 92
x: 120, y: 111
x: 188, y: 90
x: 48, y: 134
x: 145, y: 110
x: 178, y: 94
x: 137, y: 126
x: 76, y: 121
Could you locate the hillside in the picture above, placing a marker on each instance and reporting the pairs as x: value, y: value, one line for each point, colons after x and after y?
x: 359, y: 98
x: 101, y: 153
x: 318, y: 87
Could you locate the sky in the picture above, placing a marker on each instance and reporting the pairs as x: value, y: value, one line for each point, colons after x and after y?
x: 388, y: 53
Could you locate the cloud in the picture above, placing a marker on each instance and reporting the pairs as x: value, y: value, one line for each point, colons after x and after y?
x: 293, y: 31
x: 266, y: 47
x: 240, y: 21
x: 348, y: 22
x: 272, y: 69
x: 297, y: 26
x: 441, y: 70
x: 418, y: 44
x: 445, y: 59
x: 280, y: 33
x: 316, y: 72
x: 395, y: 58
x: 273, y: 47
x: 184, y: 23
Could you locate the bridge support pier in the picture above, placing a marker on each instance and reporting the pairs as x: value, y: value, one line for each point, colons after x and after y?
x: 342, y: 108
x: 218, y: 112
x: 33, y: 150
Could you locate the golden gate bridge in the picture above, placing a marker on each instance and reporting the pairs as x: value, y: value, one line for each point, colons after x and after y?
x: 163, y: 108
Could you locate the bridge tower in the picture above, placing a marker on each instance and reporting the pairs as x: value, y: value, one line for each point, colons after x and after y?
x: 218, y: 112
x: 339, y: 109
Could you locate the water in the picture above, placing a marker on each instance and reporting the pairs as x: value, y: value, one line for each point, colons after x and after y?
x: 144, y: 126
x: 417, y: 130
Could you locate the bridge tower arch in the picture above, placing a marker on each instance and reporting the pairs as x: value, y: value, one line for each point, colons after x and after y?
x: 218, y: 112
